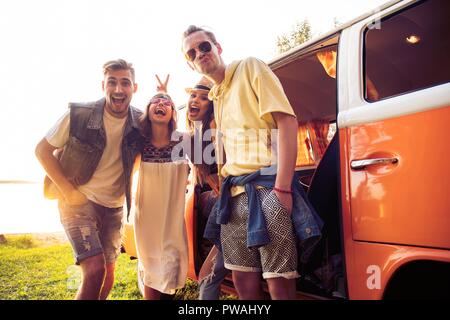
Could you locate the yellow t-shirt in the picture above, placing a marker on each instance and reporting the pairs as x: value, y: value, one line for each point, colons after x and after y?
x: 243, y: 104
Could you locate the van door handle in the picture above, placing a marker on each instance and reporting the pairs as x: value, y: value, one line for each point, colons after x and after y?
x: 362, y: 164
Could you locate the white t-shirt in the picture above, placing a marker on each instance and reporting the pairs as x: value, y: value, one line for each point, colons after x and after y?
x: 107, y: 185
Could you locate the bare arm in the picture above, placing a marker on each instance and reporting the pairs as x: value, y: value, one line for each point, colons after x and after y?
x: 137, y: 163
x: 44, y: 153
x: 213, y: 182
x: 287, y: 154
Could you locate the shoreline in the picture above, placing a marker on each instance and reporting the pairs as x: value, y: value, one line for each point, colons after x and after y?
x: 58, y: 237
x: 19, y: 182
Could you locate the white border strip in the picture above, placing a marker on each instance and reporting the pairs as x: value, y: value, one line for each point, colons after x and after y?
x: 418, y: 101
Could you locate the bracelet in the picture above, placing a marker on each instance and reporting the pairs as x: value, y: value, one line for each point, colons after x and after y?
x: 282, y: 190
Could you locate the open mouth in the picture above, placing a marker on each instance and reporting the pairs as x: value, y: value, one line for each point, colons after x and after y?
x: 194, y: 110
x: 118, y: 100
x: 160, y: 111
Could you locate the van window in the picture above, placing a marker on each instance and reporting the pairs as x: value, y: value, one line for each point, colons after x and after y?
x: 409, y: 51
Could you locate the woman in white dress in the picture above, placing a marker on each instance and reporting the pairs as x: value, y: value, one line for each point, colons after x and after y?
x: 159, y: 225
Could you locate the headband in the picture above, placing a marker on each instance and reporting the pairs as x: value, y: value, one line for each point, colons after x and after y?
x: 201, y: 87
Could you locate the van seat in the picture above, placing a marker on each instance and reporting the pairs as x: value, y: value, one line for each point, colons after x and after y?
x: 323, y: 195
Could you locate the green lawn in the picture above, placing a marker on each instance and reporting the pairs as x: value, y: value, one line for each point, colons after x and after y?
x: 33, y: 270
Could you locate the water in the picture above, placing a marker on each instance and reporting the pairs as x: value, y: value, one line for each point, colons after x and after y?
x: 24, y: 209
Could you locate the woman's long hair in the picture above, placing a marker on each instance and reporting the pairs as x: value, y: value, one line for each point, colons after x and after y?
x: 201, y: 169
x: 145, y: 123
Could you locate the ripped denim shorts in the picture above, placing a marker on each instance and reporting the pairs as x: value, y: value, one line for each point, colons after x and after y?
x: 92, y: 230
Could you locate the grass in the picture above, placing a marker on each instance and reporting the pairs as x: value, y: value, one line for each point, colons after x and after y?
x: 31, y: 269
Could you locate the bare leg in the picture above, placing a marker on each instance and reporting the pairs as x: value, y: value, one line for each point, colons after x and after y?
x: 248, y: 285
x: 109, y: 281
x: 281, y: 288
x: 93, y: 272
x: 151, y: 294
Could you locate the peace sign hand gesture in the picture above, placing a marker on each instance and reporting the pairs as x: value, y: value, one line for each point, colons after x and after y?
x: 162, y: 86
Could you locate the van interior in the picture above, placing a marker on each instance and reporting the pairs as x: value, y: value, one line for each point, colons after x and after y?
x: 309, y: 80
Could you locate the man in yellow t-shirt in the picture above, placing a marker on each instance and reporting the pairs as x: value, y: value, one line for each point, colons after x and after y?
x: 259, y: 129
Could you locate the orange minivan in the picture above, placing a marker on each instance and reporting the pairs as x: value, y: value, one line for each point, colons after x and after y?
x: 373, y: 102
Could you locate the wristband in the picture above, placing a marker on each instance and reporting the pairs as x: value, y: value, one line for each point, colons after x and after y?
x: 282, y: 190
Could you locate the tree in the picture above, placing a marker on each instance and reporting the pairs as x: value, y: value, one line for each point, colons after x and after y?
x: 301, y: 32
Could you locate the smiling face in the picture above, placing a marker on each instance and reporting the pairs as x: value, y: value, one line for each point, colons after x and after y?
x: 198, y: 105
x: 119, y: 88
x: 160, y: 110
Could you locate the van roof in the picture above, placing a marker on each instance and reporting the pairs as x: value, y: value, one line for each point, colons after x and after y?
x: 321, y: 37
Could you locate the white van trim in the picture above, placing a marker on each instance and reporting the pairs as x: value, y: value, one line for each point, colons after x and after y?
x: 353, y: 108
x: 405, y: 104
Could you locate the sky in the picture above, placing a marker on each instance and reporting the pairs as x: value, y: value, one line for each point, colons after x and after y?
x: 52, y: 53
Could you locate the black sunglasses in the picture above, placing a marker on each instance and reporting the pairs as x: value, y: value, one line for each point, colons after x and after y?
x: 203, y: 47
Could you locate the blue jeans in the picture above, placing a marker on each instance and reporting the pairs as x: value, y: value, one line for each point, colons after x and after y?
x: 209, y: 287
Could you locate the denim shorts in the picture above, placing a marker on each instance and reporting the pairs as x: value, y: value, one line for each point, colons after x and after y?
x: 92, y: 230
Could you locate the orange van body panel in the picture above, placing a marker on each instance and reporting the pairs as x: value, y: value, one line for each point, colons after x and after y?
x: 191, y: 230
x: 396, y: 213
x: 128, y: 242
x: 364, y: 260
x: 406, y: 202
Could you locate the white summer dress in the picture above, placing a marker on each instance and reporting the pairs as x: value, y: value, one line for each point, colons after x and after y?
x: 159, y: 225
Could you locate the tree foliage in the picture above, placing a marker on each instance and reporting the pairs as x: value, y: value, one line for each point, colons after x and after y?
x: 300, y: 33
